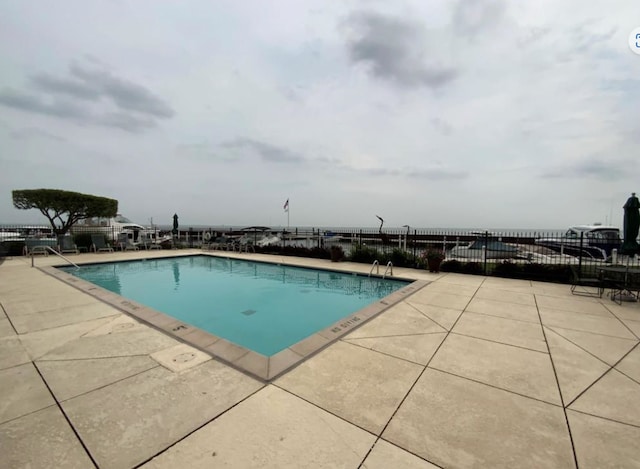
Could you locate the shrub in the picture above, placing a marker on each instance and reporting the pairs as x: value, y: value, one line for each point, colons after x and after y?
x: 12, y: 248
x: 364, y: 254
x: 298, y: 251
x: 507, y: 269
x: 337, y: 253
x: 474, y: 268
x: 433, y: 254
x: 319, y: 253
x: 401, y: 258
x: 451, y: 266
x: 534, y: 271
x: 547, y: 272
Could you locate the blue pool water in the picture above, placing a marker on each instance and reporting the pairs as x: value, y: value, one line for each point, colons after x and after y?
x: 263, y: 307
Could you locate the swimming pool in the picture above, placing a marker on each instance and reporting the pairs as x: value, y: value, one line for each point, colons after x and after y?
x: 262, y: 307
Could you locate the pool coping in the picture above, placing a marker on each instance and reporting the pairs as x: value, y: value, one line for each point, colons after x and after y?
x: 265, y: 368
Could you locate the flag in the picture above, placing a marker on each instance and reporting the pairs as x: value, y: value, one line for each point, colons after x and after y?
x: 286, y: 206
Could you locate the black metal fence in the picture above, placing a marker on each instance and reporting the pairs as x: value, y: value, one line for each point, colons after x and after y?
x: 517, y: 254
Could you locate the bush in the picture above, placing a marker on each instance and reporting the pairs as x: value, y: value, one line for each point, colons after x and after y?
x: 507, y: 269
x: 401, y: 258
x: 474, y: 268
x: 535, y: 271
x: 451, y: 266
x: 547, y: 272
x: 337, y: 253
x: 298, y: 251
x: 12, y: 248
x: 319, y: 253
x: 559, y: 273
x: 364, y: 254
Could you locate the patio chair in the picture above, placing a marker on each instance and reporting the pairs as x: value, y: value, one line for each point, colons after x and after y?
x: 633, y: 283
x: 245, y: 245
x: 221, y: 243
x: 35, y: 246
x: 579, y: 280
x: 67, y: 246
x: 129, y: 246
x: 623, y: 282
x: 98, y: 244
x: 125, y: 243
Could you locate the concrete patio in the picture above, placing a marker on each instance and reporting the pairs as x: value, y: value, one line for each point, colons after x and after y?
x: 469, y: 371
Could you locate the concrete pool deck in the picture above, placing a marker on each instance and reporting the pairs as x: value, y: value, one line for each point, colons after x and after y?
x: 469, y: 371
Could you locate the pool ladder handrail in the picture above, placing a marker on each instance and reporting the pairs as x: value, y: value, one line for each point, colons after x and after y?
x: 49, y: 248
x: 389, y: 268
x: 375, y: 264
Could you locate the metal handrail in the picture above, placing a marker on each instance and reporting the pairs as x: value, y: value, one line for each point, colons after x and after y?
x: 389, y: 267
x: 49, y: 248
x: 375, y: 264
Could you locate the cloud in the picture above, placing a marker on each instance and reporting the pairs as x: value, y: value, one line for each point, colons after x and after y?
x: 79, y: 96
x: 64, y: 86
x: 29, y: 133
x: 276, y: 154
x: 378, y: 171
x: 603, y: 169
x: 472, y: 17
x: 125, y: 94
x: 31, y: 103
x: 441, y: 126
x: 437, y: 174
x: 393, y: 49
x: 125, y: 121
x: 432, y: 174
x: 266, y: 151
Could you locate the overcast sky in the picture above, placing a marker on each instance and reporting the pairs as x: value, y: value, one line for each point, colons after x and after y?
x: 467, y: 113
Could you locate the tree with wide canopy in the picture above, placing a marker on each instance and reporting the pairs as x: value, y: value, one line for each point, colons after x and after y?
x: 64, y: 208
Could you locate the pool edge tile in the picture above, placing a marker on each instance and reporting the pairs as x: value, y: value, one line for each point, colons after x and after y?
x: 254, y: 363
x: 200, y: 338
x: 310, y: 345
x: 241, y: 358
x: 227, y: 351
x: 282, y: 361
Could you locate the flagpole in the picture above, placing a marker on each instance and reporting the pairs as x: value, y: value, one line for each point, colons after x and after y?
x: 288, y: 212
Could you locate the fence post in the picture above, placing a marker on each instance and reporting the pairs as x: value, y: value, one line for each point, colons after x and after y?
x: 413, y: 243
x: 580, y: 253
x: 486, y: 242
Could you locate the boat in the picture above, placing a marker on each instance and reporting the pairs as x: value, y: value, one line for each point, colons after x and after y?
x: 329, y: 237
x: 118, y: 228
x: 495, y: 248
x: 11, y: 236
x: 595, y: 241
x: 268, y: 239
x: 260, y: 236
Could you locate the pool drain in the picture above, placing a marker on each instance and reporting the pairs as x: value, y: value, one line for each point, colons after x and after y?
x: 184, y: 357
